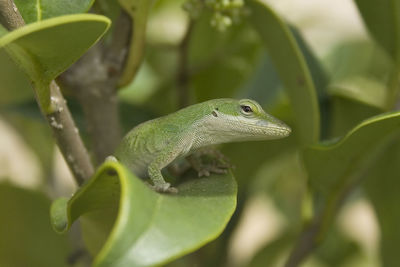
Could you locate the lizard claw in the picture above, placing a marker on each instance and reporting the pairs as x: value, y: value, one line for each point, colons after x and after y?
x: 164, y: 188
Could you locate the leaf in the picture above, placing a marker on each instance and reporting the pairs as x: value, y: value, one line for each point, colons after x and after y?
x: 347, y: 113
x: 359, y: 72
x: 15, y: 87
x: 336, y: 169
x: 383, y: 21
x: 332, y: 167
x: 139, y: 11
x: 270, y: 253
x: 32, y: 11
x: 338, y: 249
x: 363, y: 89
x: 150, y: 228
x: 291, y: 67
x: 382, y: 187
x: 26, y: 235
x: 221, y: 63
x: 3, y: 30
x: 45, y: 49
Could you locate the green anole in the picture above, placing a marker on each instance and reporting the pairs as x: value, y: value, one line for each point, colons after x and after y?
x: 154, y: 144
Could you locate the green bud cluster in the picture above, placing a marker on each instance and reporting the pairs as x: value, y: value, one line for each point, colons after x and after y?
x: 224, y: 12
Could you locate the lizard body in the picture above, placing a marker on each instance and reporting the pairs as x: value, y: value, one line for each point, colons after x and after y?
x: 152, y: 145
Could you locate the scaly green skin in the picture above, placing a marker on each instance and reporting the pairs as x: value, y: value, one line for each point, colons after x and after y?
x: 152, y: 145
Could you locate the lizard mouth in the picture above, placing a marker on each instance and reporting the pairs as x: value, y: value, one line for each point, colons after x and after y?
x: 268, y: 130
x: 274, y: 129
x: 278, y: 131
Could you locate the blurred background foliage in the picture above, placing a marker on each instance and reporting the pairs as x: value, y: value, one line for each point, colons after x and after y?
x: 354, y: 69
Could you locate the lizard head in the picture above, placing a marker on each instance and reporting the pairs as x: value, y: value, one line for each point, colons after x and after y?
x: 245, y: 119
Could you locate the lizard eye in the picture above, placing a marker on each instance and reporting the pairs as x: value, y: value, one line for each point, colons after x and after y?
x: 246, y: 109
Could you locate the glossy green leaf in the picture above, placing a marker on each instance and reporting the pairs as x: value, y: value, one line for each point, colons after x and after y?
x: 291, y: 67
x: 139, y: 11
x: 33, y: 11
x: 45, y: 49
x: 26, y: 235
x: 333, y: 167
x: 383, y: 21
x: 150, y: 228
x: 382, y: 187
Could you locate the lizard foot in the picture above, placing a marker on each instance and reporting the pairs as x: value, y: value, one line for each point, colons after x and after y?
x: 207, y: 161
x: 164, y: 188
x: 206, y: 170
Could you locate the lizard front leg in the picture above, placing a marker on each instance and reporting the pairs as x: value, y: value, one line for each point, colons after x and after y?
x: 164, y: 158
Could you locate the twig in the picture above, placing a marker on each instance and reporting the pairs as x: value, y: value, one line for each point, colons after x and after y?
x: 67, y: 137
x: 60, y: 119
x: 183, y: 74
x: 10, y: 16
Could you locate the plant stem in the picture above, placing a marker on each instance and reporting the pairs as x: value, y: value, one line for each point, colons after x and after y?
x: 183, y: 74
x: 10, y: 16
x: 59, y: 118
x: 67, y: 137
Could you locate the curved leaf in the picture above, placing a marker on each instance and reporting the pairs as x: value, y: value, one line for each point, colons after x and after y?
x: 291, y: 67
x: 37, y: 10
x: 150, y: 228
x: 383, y: 21
x: 336, y: 169
x: 333, y: 166
x: 45, y: 49
x: 139, y: 11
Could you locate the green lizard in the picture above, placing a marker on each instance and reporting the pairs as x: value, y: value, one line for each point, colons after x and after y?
x: 152, y: 145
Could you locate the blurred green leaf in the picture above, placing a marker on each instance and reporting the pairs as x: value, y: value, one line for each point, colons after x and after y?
x: 221, y: 62
x: 45, y: 49
x: 282, y: 177
x: 15, y: 87
x: 347, y: 113
x: 358, y: 58
x: 139, y: 11
x: 150, y: 228
x: 33, y: 11
x: 337, y: 249
x: 109, y: 8
x: 383, y: 21
x: 264, y: 76
x: 382, y: 187
x: 334, y: 167
x: 3, y: 30
x: 360, y: 71
x: 269, y: 255
x: 292, y: 69
x: 26, y: 235
x: 37, y: 136
x: 363, y: 89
